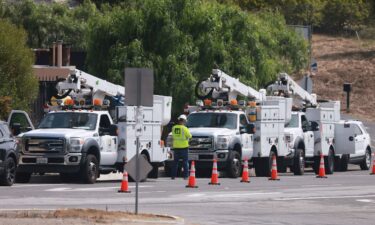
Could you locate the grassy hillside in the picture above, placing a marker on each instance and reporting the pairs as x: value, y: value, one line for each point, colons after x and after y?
x: 342, y: 60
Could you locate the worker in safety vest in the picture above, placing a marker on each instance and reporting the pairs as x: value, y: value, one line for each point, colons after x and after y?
x: 180, y: 136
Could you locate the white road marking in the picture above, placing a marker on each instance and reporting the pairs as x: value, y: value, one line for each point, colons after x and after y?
x: 321, y: 185
x: 322, y: 197
x: 365, y: 200
x: 229, y: 195
x: 34, y: 185
x: 92, y: 188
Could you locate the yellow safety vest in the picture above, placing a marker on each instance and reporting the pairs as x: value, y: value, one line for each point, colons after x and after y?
x: 180, y: 135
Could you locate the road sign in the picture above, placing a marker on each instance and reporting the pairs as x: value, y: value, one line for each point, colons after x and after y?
x: 144, y: 168
x: 139, y: 86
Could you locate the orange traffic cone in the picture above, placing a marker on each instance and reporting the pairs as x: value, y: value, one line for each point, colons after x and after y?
x: 373, y: 164
x: 124, y: 183
x: 191, y: 183
x: 322, y: 170
x: 245, y: 172
x: 214, y: 176
x: 274, y: 169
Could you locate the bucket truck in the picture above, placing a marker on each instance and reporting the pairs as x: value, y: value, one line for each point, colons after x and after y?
x: 315, y: 129
x: 82, y: 140
x: 232, y: 131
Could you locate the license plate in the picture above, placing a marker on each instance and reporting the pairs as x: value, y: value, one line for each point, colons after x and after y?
x: 41, y: 160
x: 193, y: 157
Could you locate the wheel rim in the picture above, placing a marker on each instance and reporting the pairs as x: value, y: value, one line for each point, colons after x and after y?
x: 368, y: 159
x: 92, y: 170
x: 235, y: 165
x: 11, y: 172
x: 301, y: 162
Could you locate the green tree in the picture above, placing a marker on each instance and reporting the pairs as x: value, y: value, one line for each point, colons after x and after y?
x: 348, y: 14
x: 182, y: 40
x: 17, y: 80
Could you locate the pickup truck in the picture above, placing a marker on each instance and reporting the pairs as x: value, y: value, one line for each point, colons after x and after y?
x: 222, y: 134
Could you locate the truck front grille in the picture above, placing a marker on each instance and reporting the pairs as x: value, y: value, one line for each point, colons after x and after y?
x: 201, y: 143
x: 44, y: 145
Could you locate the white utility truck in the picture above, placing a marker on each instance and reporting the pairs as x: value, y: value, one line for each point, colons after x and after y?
x: 313, y: 130
x: 82, y: 140
x: 232, y: 132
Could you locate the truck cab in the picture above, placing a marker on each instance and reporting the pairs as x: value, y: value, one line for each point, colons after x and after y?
x: 224, y: 135
x: 299, y: 135
x: 68, y: 142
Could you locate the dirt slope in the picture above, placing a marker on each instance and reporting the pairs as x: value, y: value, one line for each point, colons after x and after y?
x: 344, y: 60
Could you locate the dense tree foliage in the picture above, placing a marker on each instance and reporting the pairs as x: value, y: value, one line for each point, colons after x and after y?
x: 182, y: 40
x: 327, y: 15
x: 46, y: 23
x: 18, y: 85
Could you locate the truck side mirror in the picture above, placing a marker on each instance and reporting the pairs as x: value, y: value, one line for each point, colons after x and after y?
x: 113, y: 130
x: 314, y: 126
x: 243, y: 130
x: 16, y: 129
x: 250, y: 129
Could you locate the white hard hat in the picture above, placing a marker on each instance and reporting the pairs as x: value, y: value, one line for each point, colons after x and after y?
x: 182, y: 117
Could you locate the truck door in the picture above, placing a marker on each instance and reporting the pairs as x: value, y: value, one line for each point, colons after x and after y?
x: 308, y: 135
x: 108, y: 144
x: 359, y: 138
x: 247, y: 147
x: 19, y: 122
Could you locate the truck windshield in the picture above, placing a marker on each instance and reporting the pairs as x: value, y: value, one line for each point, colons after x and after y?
x: 73, y: 120
x: 293, y: 121
x: 224, y: 120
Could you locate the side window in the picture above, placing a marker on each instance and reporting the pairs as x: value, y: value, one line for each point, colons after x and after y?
x: 305, y: 123
x: 21, y: 119
x: 357, y: 130
x: 1, y: 131
x: 4, y: 131
x: 243, y: 120
x: 104, y: 122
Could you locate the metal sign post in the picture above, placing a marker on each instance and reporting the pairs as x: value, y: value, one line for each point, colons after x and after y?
x: 139, y: 88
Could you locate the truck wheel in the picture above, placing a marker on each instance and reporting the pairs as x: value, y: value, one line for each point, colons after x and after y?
x: 23, y: 177
x: 344, y: 161
x: 263, y: 166
x: 366, y: 163
x: 299, y: 163
x: 154, y: 173
x: 316, y: 164
x: 8, y: 177
x: 329, y: 162
x: 234, y: 164
x: 89, y: 170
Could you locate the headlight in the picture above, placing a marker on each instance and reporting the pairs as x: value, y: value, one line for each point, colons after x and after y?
x: 76, y: 144
x: 223, y: 142
x: 169, y: 141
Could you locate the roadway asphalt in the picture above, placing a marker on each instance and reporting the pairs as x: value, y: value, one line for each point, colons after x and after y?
x: 342, y: 198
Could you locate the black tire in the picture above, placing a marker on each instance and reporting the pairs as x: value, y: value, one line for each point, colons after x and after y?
x: 9, y: 175
x: 154, y: 173
x: 299, y: 162
x: 23, y: 177
x: 234, y: 164
x: 344, y: 161
x: 316, y: 164
x: 366, y: 163
x: 263, y: 166
x: 90, y: 170
x: 329, y: 162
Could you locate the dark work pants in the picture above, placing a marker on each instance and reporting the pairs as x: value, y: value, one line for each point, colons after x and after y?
x: 180, y: 153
